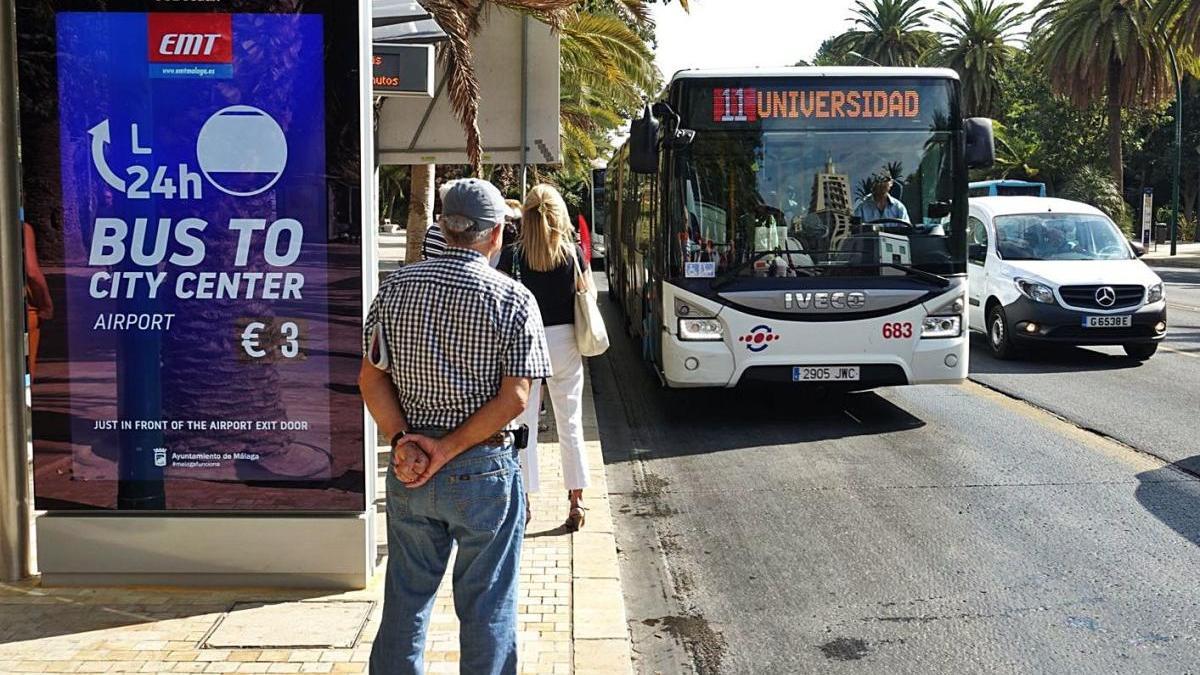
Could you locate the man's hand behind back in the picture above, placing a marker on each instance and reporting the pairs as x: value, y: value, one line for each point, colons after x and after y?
x: 437, y: 454
x: 409, y: 462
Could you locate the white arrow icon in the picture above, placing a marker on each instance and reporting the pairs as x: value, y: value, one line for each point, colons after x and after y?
x: 101, y: 138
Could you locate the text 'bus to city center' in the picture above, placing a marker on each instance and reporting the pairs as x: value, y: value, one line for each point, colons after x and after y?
x: 797, y: 225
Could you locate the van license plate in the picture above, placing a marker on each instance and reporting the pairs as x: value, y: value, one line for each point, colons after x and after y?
x: 825, y: 374
x: 1107, y: 321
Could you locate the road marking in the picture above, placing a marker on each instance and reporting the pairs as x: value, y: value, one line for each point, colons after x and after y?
x: 1190, y: 355
x: 851, y: 416
x: 1106, y: 445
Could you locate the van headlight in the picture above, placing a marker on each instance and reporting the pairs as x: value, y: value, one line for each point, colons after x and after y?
x: 941, y: 327
x: 700, y: 329
x: 1155, y: 294
x: 1035, y: 291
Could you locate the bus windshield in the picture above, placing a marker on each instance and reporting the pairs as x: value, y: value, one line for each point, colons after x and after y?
x: 767, y: 203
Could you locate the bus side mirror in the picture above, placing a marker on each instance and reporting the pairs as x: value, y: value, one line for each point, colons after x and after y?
x: 980, y: 143
x: 643, y: 144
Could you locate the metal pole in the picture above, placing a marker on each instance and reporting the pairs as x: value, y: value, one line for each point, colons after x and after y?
x: 1177, y: 164
x: 15, y: 560
x: 1175, y: 168
x: 524, y: 102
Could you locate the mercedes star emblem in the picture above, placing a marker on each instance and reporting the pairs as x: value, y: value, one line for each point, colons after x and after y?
x: 1106, y: 296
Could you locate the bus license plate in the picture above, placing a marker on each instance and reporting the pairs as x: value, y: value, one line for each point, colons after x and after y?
x: 825, y: 374
x: 1107, y: 321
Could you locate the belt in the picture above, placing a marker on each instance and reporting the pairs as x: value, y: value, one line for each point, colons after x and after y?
x: 498, y: 438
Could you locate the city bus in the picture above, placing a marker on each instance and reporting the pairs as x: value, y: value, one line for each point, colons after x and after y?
x: 797, y: 225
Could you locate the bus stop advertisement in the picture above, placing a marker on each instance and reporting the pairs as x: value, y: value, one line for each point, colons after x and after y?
x: 193, y: 174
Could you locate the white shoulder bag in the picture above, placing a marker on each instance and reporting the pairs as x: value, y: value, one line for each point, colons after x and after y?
x: 590, y: 333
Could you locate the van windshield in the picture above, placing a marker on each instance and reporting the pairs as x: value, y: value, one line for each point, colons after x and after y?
x: 1060, y: 236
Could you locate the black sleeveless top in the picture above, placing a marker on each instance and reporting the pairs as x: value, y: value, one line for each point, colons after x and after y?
x: 553, y: 290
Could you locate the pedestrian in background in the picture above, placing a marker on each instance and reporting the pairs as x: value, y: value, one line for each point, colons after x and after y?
x: 435, y: 242
x: 451, y: 347
x: 547, y: 261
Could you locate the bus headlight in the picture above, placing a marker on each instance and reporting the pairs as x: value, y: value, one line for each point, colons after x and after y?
x: 1154, y: 294
x: 941, y: 327
x: 700, y: 329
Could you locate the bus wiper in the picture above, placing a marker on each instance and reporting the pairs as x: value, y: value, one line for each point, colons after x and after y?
x: 914, y: 271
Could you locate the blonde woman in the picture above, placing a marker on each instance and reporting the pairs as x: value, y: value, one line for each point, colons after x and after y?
x: 544, y: 259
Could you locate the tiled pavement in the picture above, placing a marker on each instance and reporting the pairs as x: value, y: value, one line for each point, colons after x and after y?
x: 572, y: 617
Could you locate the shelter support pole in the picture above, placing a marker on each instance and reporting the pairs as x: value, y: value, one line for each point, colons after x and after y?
x: 15, y: 554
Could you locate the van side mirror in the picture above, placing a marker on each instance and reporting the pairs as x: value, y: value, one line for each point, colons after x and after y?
x: 643, y: 144
x: 977, y: 252
x: 1138, y: 248
x: 980, y: 143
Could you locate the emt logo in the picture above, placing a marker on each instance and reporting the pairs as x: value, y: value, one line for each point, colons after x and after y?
x: 189, y: 45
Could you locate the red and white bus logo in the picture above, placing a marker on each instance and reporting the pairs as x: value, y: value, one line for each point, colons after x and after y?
x: 191, y: 38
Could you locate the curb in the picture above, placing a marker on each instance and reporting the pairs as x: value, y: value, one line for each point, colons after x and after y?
x: 1191, y: 262
x: 599, y: 630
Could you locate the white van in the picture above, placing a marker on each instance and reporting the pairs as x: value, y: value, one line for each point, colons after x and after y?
x: 1052, y: 270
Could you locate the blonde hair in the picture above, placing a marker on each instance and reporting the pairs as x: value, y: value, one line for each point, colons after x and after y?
x: 547, y: 238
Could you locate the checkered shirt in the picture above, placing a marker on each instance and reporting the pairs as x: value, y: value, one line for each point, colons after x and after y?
x: 453, y: 327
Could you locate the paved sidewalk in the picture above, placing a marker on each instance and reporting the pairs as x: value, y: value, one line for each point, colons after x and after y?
x: 572, y: 612
x: 1186, y: 255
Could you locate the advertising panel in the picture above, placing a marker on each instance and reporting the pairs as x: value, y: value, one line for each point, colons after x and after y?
x: 189, y: 170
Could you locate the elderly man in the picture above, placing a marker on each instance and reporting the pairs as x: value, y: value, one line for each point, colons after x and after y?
x: 451, y: 348
x: 880, y: 204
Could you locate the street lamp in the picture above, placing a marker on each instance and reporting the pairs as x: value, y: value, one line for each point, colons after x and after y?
x: 860, y: 57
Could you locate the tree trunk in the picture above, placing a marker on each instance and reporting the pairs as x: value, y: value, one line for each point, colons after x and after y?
x: 1115, y: 161
x: 420, y: 209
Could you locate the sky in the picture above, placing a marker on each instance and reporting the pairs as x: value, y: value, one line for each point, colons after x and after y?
x: 728, y: 34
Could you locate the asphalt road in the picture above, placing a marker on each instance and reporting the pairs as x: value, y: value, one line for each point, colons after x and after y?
x: 910, y: 530
x: 1152, y: 406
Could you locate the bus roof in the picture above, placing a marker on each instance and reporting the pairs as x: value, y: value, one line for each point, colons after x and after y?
x: 803, y: 71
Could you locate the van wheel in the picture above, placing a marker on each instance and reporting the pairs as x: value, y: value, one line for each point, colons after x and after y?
x: 1141, y: 352
x: 998, y: 338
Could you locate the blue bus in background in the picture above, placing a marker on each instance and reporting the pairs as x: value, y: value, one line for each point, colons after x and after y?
x: 1006, y: 188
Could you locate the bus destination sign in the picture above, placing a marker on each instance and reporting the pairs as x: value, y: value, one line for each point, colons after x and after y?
x: 750, y: 104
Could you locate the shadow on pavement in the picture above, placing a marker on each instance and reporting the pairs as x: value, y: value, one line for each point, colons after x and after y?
x: 635, y: 411
x: 1043, y: 359
x: 1172, y: 494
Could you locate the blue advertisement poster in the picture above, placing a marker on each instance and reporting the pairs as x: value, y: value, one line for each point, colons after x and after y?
x: 203, y: 349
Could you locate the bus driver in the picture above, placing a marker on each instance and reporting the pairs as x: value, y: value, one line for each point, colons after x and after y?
x: 880, y: 204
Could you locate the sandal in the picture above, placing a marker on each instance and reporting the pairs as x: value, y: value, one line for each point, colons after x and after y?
x: 576, y: 518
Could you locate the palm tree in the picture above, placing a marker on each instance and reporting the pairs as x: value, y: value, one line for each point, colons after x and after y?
x: 606, y: 71
x: 1095, y: 49
x: 420, y: 210
x: 887, y: 32
x: 976, y: 44
x: 460, y: 20
x: 1182, y: 20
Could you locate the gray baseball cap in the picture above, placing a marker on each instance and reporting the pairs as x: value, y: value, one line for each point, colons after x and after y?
x: 476, y: 199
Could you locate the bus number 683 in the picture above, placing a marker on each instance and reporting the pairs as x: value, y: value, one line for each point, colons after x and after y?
x: 897, y: 331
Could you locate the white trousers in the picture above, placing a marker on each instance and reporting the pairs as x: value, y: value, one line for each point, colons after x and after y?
x: 566, y: 396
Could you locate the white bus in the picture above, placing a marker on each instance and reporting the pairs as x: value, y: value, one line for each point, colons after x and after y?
x: 797, y: 225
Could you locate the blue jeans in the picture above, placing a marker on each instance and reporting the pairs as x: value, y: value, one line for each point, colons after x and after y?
x: 478, y: 501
